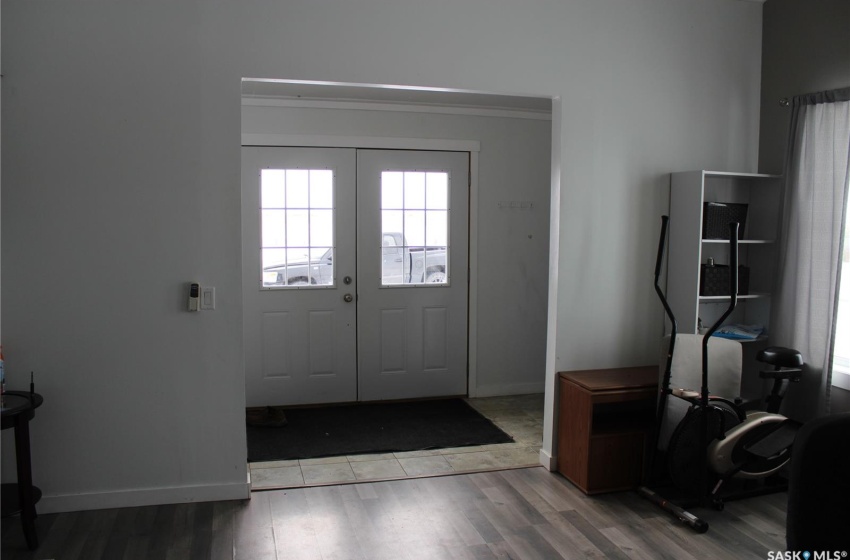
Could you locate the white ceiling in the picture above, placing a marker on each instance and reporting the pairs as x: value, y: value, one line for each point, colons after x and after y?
x: 326, y: 91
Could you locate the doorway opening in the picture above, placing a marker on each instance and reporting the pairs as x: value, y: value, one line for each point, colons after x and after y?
x: 507, y: 144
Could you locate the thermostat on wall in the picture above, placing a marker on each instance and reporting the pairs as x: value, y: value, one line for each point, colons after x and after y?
x: 194, y: 296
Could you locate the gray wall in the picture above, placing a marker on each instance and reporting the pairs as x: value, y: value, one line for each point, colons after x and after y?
x: 121, y: 171
x: 806, y: 49
x: 512, y: 245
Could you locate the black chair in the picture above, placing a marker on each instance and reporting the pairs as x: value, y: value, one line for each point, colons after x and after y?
x: 819, y: 487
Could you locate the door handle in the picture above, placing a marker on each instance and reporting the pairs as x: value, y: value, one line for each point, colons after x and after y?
x: 348, y: 298
x: 398, y: 259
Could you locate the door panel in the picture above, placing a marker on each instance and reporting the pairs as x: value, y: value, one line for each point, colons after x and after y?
x: 412, y: 322
x: 392, y: 223
x: 298, y: 235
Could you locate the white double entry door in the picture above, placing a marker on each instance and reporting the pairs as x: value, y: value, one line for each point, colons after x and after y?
x: 355, y: 274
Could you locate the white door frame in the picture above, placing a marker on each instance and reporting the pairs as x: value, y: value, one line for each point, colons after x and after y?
x: 445, y: 145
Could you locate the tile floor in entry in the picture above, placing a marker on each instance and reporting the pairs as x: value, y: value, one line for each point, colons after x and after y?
x: 520, y: 416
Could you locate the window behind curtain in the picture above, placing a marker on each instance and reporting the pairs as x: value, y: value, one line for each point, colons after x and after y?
x: 841, y: 356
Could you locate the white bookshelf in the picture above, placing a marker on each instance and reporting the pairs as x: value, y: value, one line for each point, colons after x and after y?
x: 757, y: 248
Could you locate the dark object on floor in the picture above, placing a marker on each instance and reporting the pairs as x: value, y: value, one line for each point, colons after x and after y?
x: 819, y: 488
x: 266, y: 416
x: 373, y: 428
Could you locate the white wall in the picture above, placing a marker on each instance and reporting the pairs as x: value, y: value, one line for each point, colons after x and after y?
x: 121, y: 136
x: 512, y: 246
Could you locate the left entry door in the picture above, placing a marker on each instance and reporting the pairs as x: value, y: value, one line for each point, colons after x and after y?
x: 299, y: 289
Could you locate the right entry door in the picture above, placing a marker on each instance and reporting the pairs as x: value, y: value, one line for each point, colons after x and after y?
x: 413, y: 273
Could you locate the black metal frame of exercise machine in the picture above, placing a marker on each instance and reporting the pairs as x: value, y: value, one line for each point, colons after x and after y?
x: 718, y: 439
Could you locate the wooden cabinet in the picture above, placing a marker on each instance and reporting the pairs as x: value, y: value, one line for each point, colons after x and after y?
x: 605, y: 422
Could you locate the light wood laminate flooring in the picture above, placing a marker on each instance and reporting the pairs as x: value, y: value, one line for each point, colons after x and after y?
x: 410, y: 514
x: 522, y: 514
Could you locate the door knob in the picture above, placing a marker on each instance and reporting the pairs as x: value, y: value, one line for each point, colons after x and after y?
x: 348, y: 298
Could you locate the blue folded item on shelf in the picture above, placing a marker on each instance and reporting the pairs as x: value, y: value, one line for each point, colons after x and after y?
x: 740, y: 332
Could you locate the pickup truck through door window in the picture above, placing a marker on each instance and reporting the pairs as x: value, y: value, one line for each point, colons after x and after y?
x: 414, y: 224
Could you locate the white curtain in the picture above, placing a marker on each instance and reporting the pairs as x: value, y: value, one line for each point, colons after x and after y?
x: 816, y: 183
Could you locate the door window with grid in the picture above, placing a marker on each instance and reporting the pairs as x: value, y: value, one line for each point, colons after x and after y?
x: 297, y: 233
x: 415, y: 227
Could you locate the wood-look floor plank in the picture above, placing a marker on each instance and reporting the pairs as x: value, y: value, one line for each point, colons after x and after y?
x: 92, y: 529
x: 253, y: 531
x: 136, y: 548
x: 403, y: 505
x: 566, y: 539
x: 222, y: 543
x: 530, y: 544
x: 366, y: 491
x: 520, y: 514
x: 73, y: 542
x: 180, y: 538
x: 632, y: 547
x: 742, y: 543
x: 593, y: 534
x: 465, y: 532
x: 769, y: 513
x: 450, y: 527
x: 293, y: 525
x: 705, y: 547
x: 381, y: 520
x: 638, y: 542
x: 519, y: 483
x: 122, y: 530
x: 501, y: 491
x: 472, y: 552
x: 159, y: 539
x: 448, y: 522
x: 502, y: 550
x: 466, y: 495
x: 336, y: 537
x: 359, y: 514
x: 503, y: 519
x: 559, y: 493
x: 201, y: 548
x: 139, y: 539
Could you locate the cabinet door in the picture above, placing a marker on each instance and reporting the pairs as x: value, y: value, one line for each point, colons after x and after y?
x: 574, y: 418
x: 616, y: 461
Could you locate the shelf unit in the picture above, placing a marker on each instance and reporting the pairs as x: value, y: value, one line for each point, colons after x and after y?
x: 757, y: 247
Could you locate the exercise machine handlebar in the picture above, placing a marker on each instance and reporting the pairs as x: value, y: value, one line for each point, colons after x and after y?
x: 733, y: 302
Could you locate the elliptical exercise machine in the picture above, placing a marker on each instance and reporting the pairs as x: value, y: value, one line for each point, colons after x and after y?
x: 718, y: 440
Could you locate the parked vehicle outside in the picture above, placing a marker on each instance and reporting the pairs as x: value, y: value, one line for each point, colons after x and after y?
x: 401, y: 265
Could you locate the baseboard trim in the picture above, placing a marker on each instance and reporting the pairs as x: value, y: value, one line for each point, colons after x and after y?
x: 549, y: 463
x: 507, y: 390
x: 144, y: 497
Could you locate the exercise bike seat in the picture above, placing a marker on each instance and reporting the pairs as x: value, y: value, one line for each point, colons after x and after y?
x: 780, y: 357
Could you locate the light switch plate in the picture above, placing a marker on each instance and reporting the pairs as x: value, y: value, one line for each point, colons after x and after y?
x: 207, y: 297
